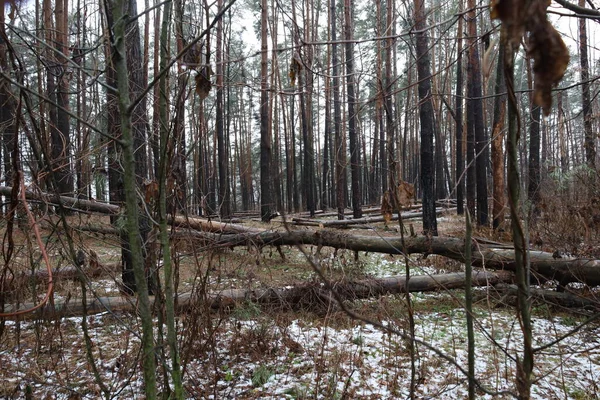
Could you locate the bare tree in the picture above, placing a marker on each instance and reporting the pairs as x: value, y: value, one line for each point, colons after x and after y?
x: 426, y: 117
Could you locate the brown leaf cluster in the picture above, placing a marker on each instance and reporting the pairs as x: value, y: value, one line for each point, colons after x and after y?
x: 295, y: 68
x: 203, y: 83
x: 392, y: 202
x: 545, y: 46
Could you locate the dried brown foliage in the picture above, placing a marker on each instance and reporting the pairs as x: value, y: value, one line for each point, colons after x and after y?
x: 544, y: 44
x: 392, y: 202
x: 295, y: 68
x: 203, y: 83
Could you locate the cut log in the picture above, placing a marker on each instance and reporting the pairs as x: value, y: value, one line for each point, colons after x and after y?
x: 296, y: 297
x: 71, y: 203
x: 543, y: 265
x: 562, y: 299
x: 357, y: 221
x: 69, y: 272
x: 212, y: 226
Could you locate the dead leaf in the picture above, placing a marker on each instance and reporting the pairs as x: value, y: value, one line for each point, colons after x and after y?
x: 295, y: 68
x: 545, y: 45
x: 550, y: 60
x: 203, y: 83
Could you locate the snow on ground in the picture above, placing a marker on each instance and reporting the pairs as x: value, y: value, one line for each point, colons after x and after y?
x: 262, y: 358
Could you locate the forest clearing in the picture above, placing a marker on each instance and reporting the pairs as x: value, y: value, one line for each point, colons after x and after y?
x: 254, y: 199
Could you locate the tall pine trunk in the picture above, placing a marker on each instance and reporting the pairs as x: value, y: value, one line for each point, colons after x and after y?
x: 352, y: 111
x: 426, y: 118
x: 499, y: 201
x: 266, y: 184
x: 478, y: 140
x: 339, y: 142
x: 590, y: 137
x: 222, y: 151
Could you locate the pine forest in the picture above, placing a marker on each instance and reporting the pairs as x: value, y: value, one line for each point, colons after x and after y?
x: 294, y: 199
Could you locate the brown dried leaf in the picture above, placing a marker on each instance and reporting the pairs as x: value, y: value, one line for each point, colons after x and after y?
x: 550, y: 60
x: 295, y: 68
x: 406, y: 194
x: 513, y: 18
x: 545, y: 46
x: 386, y: 207
x: 203, y: 83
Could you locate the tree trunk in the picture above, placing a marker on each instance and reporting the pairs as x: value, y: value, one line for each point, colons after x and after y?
x: 8, y: 120
x: 498, y: 124
x: 132, y: 224
x: 475, y: 111
x: 426, y: 118
x: 389, y: 179
x: 295, y: 298
x: 222, y: 151
x: 352, y: 110
x: 533, y: 187
x: 266, y: 179
x: 60, y: 137
x: 590, y: 138
x: 544, y: 265
x: 339, y: 142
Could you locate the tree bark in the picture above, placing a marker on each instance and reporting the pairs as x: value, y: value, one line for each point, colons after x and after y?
x: 476, y: 127
x: 498, y: 125
x: 590, y: 140
x: 544, y: 265
x: 533, y: 186
x: 357, y: 221
x: 458, y: 112
x: 132, y: 216
x: 298, y: 297
x: 222, y: 151
x: 426, y: 116
x: 266, y: 179
x: 352, y: 111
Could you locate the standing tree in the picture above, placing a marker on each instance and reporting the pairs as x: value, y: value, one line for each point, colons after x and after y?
x: 339, y: 142
x: 590, y: 141
x: 352, y: 111
x: 139, y: 120
x: 392, y: 178
x: 60, y: 135
x: 223, y: 152
x: 458, y: 112
x: 497, y: 147
x: 118, y: 29
x: 475, y: 127
x: 266, y: 178
x: 426, y: 118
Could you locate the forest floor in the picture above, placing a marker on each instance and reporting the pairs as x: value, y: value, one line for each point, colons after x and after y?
x: 252, y: 352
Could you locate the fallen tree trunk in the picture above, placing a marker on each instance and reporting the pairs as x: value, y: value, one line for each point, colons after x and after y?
x: 562, y: 299
x: 297, y: 297
x: 69, y: 272
x: 358, y: 221
x: 76, y: 204
x: 543, y: 265
x: 211, y: 226
x: 71, y: 203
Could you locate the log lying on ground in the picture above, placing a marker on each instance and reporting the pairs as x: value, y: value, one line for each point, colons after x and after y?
x: 358, y: 221
x: 68, y: 272
x: 71, y: 203
x: 562, y: 299
x: 543, y: 265
x: 307, y: 296
x: 211, y: 226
